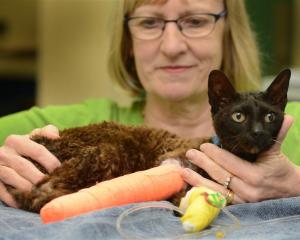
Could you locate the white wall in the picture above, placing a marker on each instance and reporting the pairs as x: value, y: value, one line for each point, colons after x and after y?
x: 73, y: 51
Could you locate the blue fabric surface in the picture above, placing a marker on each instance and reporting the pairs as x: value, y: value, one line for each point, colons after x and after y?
x: 153, y: 224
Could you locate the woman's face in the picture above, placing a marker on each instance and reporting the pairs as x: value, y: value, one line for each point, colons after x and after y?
x: 173, y: 66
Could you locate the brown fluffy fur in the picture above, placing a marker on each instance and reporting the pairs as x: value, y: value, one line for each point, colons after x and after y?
x: 100, y: 152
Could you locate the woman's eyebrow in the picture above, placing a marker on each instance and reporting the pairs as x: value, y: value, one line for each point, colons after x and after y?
x: 160, y: 14
x: 151, y: 13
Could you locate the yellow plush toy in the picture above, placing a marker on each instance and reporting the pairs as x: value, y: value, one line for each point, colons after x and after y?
x: 200, y: 206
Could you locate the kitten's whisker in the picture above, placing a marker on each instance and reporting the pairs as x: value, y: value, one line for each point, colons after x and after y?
x: 235, y: 147
x: 232, y: 138
x: 276, y: 141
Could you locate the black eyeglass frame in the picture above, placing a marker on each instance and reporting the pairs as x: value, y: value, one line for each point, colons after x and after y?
x: 217, y: 16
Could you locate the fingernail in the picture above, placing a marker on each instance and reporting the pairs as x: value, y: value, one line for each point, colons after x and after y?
x: 52, y: 130
x: 203, y: 146
x: 191, y: 153
x: 186, y: 172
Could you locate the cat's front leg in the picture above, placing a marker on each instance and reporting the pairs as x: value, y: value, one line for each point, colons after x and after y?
x: 176, y: 157
x: 176, y: 198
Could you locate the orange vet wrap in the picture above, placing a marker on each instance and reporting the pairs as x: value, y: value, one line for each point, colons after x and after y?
x: 153, y: 184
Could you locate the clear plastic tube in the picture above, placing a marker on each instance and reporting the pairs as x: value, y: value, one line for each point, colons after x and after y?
x: 219, y: 230
x: 128, y: 212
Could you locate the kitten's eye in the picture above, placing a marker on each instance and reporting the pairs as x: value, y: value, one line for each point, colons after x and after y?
x: 238, y: 117
x: 270, y: 117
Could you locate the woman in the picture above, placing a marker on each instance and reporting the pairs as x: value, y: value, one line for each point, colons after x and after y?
x: 164, y: 55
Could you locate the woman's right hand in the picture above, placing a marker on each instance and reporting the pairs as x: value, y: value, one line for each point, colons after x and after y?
x: 18, y: 172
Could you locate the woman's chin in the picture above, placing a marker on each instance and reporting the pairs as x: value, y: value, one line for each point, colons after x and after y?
x: 176, y: 96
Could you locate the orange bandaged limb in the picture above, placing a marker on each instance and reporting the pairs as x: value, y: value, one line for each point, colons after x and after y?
x: 154, y: 184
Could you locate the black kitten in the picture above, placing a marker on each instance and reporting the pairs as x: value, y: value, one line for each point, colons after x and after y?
x: 247, y: 123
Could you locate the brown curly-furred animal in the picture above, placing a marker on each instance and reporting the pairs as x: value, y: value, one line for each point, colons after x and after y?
x: 101, y: 152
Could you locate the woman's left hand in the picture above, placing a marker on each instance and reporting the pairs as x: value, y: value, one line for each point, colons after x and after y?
x: 271, y: 176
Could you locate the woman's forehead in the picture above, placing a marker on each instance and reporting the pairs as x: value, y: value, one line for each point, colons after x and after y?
x: 139, y: 3
x: 149, y: 2
x: 158, y: 2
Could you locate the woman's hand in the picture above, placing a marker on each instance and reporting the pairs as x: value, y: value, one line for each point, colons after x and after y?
x: 18, y: 172
x: 271, y: 176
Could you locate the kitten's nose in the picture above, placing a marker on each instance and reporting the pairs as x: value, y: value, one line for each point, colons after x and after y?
x: 257, y: 130
x: 258, y: 134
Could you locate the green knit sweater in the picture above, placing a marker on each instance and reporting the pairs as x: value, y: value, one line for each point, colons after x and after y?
x: 97, y: 110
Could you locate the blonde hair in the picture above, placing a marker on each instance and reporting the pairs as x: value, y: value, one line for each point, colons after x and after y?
x: 240, y: 54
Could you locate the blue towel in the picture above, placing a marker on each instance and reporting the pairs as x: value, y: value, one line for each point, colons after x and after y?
x: 153, y: 224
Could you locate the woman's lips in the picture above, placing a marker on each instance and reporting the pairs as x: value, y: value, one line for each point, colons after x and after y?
x: 175, y: 69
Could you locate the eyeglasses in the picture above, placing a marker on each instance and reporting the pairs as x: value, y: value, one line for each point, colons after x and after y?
x: 191, y: 26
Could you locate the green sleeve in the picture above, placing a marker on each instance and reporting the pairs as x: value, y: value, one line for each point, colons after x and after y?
x: 291, y: 145
x: 90, y: 111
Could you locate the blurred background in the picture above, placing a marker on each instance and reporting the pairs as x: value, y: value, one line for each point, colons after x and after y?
x: 55, y: 51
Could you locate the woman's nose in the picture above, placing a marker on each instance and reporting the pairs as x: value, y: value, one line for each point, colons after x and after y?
x: 173, y: 43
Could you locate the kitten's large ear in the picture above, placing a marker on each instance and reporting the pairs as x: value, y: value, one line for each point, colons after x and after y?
x: 276, y: 93
x: 220, y: 90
